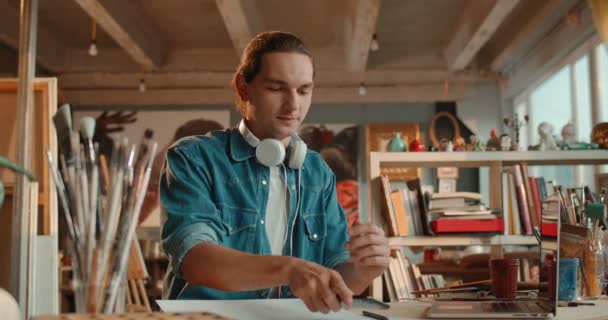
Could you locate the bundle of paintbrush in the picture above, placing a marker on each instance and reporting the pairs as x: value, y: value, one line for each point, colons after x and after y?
x: 101, y: 201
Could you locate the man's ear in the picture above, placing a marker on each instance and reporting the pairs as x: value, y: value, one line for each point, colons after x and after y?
x: 241, y: 88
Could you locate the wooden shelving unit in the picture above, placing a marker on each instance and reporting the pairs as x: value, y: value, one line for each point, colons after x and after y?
x: 495, y: 161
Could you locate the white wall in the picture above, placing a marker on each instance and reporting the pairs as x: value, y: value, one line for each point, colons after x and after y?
x: 481, y: 112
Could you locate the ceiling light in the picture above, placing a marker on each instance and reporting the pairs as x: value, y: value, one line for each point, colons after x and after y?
x: 93, y: 49
x: 362, y: 89
x: 374, y: 45
x: 142, y: 85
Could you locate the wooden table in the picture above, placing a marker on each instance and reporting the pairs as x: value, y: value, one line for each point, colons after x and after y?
x: 136, y: 316
x: 399, y: 311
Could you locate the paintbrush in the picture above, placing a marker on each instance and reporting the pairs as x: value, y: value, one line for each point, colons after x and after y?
x: 87, y: 129
x: 142, y: 178
x: 63, y: 125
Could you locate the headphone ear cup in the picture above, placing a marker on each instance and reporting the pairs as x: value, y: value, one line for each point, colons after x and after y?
x: 297, y: 155
x: 270, y: 152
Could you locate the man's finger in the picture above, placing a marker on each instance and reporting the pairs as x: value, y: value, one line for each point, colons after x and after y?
x: 365, y: 240
x: 341, y: 290
x: 329, y: 299
x: 358, y: 229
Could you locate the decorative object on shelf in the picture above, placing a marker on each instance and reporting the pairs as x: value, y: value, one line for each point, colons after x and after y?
x: 448, y: 178
x: 515, y: 123
x: 505, y: 142
x: 493, y: 143
x: 451, y: 133
x: 396, y: 144
x: 547, y: 142
x: 568, y: 133
x: 475, y: 145
x: 417, y: 146
x: 459, y: 144
x: 446, y: 145
x: 599, y: 135
x: 377, y: 137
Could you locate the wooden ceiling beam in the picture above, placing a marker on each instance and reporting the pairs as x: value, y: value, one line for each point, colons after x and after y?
x: 221, y: 79
x: 224, y: 96
x: 241, y: 20
x: 530, y: 21
x: 49, y: 51
x: 359, y: 31
x: 123, y: 21
x: 477, y: 24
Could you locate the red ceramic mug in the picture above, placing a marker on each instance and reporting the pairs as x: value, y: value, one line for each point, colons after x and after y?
x: 504, y: 277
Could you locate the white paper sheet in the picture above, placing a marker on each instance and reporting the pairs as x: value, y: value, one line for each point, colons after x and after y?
x: 267, y: 309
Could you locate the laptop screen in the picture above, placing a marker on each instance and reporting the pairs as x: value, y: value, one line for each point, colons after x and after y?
x: 549, y: 255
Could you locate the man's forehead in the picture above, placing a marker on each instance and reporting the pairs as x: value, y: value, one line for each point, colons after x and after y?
x: 287, y: 66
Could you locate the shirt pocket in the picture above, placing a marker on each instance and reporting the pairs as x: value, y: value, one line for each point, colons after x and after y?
x: 316, y: 229
x: 239, y: 224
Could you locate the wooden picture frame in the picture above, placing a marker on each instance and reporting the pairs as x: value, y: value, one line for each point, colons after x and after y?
x: 377, y: 137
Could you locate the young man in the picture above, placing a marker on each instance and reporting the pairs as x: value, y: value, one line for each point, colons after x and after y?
x: 238, y: 229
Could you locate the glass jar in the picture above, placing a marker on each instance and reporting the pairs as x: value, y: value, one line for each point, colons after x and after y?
x: 593, y: 269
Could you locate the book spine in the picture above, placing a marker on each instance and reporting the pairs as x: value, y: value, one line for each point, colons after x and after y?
x: 522, y: 201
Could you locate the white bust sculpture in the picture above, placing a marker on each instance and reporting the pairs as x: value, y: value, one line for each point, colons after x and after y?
x: 569, y: 133
x: 547, y: 142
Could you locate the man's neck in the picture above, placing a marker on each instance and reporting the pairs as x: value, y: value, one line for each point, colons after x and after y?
x: 261, y: 136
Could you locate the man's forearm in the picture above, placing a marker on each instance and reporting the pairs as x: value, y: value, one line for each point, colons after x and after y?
x: 221, y: 268
x: 355, y: 278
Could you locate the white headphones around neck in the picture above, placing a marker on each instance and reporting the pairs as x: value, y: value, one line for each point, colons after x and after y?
x: 271, y: 152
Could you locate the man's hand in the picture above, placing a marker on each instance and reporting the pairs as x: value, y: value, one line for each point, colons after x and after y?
x: 368, y: 248
x: 320, y: 288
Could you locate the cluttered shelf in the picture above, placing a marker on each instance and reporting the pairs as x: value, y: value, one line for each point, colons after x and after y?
x: 412, y: 241
x: 475, y: 159
x: 416, y: 219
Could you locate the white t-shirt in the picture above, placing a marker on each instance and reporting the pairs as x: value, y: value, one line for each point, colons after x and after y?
x: 275, y: 219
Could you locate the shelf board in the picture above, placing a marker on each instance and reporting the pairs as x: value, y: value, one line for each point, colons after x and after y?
x: 475, y: 159
x: 454, y: 241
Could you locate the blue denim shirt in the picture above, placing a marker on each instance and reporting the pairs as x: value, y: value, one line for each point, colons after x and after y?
x: 214, y: 190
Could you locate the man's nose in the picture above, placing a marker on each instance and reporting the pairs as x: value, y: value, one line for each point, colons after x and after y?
x: 290, y: 99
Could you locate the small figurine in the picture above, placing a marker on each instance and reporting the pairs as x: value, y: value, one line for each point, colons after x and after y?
x: 445, y: 145
x: 547, y: 142
x: 569, y: 133
x: 505, y: 142
x: 476, y: 144
x: 493, y: 143
x: 459, y: 144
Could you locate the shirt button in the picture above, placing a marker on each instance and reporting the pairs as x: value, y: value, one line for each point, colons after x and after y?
x: 314, y: 236
x: 262, y: 221
x: 264, y: 182
x: 293, y: 187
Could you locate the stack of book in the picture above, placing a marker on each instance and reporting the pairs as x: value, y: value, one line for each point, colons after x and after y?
x: 462, y: 212
x: 402, y: 278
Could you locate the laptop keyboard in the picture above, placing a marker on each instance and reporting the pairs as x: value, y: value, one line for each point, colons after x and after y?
x: 510, y: 306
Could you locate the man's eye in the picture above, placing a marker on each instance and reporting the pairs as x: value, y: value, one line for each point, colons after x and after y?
x: 274, y: 88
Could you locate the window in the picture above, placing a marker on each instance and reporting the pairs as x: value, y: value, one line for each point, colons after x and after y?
x: 563, y: 96
x: 601, y: 52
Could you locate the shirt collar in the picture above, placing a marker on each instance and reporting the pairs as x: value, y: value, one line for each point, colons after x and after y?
x: 242, y: 143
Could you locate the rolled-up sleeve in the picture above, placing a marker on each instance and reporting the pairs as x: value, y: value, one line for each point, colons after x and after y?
x: 190, y: 216
x: 337, y: 227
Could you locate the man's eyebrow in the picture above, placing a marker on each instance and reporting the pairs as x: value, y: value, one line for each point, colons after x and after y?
x: 275, y: 81
x: 282, y: 82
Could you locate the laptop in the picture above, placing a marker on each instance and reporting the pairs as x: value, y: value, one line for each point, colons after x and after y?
x: 543, y: 307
